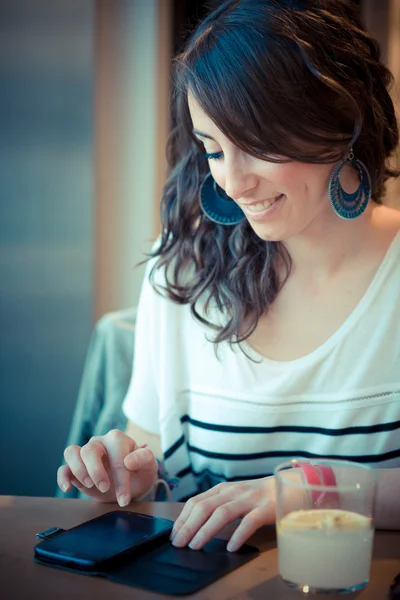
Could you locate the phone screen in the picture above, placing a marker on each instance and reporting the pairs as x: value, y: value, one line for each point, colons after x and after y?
x: 105, y: 536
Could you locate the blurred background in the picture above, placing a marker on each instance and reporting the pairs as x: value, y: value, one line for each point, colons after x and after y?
x: 84, y: 119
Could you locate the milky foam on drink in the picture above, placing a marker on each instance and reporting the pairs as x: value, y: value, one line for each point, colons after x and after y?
x: 326, y: 519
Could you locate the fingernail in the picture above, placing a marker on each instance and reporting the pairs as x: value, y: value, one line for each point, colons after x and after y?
x: 64, y: 487
x: 123, y: 500
x: 232, y: 546
x: 178, y: 541
x: 103, y: 486
x: 88, y: 482
x: 195, y: 544
x: 172, y: 534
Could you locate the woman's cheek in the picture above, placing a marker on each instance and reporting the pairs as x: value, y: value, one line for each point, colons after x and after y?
x: 285, y: 175
x: 217, y: 174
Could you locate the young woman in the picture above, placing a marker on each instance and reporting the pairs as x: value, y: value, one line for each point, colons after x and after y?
x: 269, y: 319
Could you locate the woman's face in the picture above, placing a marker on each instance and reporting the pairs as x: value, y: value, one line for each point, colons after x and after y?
x: 280, y: 200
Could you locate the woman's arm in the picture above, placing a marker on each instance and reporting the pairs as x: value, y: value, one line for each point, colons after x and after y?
x: 143, y: 437
x: 387, y: 514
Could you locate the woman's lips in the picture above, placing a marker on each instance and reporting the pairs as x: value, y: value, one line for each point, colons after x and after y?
x: 260, y: 207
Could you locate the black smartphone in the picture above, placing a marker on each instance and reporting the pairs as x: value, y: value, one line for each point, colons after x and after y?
x: 94, y: 542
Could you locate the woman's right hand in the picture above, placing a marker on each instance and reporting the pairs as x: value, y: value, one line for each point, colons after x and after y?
x: 109, y: 468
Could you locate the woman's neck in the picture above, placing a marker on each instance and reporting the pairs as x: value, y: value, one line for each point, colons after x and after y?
x: 329, y: 242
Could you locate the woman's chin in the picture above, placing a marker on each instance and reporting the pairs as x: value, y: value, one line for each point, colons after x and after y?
x: 269, y: 224
x: 268, y: 234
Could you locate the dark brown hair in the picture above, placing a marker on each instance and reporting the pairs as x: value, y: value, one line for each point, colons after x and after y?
x: 262, y: 70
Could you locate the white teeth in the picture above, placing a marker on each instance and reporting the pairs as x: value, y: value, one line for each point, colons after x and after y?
x: 260, y: 206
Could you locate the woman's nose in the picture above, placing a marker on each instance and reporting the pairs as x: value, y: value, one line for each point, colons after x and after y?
x: 238, y: 180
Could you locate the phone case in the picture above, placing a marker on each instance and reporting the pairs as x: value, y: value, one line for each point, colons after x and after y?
x: 160, y: 567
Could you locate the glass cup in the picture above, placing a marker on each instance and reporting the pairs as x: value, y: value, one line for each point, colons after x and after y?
x: 324, y: 523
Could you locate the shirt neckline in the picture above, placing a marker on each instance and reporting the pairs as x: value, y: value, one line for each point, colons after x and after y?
x: 349, y: 322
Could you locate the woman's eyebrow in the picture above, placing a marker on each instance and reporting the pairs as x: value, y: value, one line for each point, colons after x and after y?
x: 204, y: 135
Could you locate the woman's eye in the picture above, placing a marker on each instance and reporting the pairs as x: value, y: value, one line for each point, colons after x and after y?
x: 213, y: 155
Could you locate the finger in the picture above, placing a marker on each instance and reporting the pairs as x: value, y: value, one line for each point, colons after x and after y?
x: 142, y: 464
x: 222, y: 516
x: 199, y: 515
x: 250, y: 523
x: 118, y: 445
x: 73, y: 458
x: 94, y: 492
x: 78, y: 485
x: 93, y: 455
x: 66, y: 481
x: 191, y: 504
x: 142, y: 458
x: 64, y: 476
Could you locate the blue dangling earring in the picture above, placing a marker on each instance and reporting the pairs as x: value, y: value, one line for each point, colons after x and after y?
x: 349, y: 206
x: 217, y: 205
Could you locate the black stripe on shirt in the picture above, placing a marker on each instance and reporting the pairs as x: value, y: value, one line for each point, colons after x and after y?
x: 207, y: 471
x: 184, y: 472
x: 372, y: 458
x: 174, y: 447
x: 293, y: 428
x: 189, y: 470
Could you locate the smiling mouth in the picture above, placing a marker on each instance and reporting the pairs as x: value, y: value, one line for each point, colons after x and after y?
x: 261, y: 206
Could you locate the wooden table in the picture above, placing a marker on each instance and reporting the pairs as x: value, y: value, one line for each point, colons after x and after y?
x: 21, y: 578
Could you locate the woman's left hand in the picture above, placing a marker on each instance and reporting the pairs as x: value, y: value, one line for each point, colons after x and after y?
x: 204, y: 516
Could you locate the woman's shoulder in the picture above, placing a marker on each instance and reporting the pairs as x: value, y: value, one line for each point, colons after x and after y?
x: 385, y: 227
x: 386, y: 219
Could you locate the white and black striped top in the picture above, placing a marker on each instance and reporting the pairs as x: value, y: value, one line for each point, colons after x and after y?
x: 231, y: 418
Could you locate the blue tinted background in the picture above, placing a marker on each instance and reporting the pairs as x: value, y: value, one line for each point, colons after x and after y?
x: 46, y: 80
